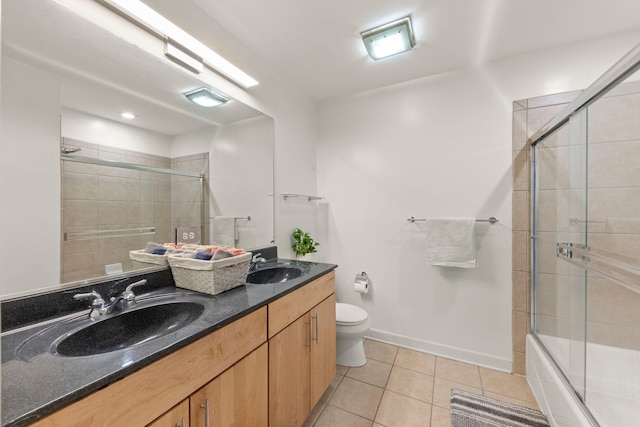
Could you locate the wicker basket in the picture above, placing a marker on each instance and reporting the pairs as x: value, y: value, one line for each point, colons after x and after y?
x: 210, y: 277
x: 142, y: 259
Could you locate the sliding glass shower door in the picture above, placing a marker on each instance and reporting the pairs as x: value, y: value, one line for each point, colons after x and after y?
x: 560, y: 217
x: 586, y: 252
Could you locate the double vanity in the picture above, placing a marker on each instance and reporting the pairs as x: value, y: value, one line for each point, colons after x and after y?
x: 256, y: 355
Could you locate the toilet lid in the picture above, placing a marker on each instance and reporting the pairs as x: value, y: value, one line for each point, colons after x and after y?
x: 347, y: 314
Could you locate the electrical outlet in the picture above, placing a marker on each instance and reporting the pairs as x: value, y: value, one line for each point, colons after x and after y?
x: 188, y: 235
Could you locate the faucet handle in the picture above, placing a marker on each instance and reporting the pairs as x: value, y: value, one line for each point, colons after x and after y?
x: 256, y: 256
x: 128, y: 294
x: 97, y: 301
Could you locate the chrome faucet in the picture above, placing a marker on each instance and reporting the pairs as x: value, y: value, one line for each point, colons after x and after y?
x: 257, y: 259
x: 120, y: 303
x: 98, y: 307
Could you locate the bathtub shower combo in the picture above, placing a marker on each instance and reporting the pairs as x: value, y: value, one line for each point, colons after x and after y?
x: 583, y: 353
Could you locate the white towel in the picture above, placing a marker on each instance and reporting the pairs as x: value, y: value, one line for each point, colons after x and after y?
x: 224, y: 231
x: 451, y: 242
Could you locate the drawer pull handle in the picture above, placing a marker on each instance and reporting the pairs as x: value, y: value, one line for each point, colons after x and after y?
x: 317, y: 338
x: 205, y: 406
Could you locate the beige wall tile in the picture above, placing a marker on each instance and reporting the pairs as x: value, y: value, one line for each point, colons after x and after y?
x: 538, y: 117
x: 416, y: 361
x: 520, y: 170
x: 519, y: 129
x: 558, y: 98
x: 614, y: 335
x: 609, y: 302
x: 112, y: 188
x: 614, y: 119
x: 520, y: 292
x: 112, y: 213
x: 520, y: 210
x: 79, y: 213
x: 79, y: 186
x: 620, y: 207
x: 520, y: 250
x: 553, y: 171
x: 519, y: 331
x: 401, y: 411
x: 519, y: 363
x: 614, y: 164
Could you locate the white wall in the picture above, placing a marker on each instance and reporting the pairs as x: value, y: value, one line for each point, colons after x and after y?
x: 29, y: 178
x: 437, y: 146
x: 97, y: 130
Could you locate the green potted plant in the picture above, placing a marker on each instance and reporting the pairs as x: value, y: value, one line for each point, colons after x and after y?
x: 302, y: 243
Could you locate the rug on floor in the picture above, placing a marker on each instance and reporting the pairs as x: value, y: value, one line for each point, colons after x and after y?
x: 471, y: 410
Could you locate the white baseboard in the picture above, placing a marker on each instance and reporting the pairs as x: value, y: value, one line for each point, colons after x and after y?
x: 456, y: 353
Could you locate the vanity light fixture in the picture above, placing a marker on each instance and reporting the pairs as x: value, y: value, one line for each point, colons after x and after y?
x: 182, y: 44
x: 389, y: 39
x: 205, y: 97
x: 128, y: 115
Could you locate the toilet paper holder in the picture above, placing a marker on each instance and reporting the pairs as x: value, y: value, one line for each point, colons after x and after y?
x: 362, y: 277
x: 361, y: 283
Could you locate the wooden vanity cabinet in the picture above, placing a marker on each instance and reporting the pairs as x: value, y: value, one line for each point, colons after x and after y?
x: 142, y: 397
x: 238, y: 397
x: 302, y: 350
x: 178, y: 416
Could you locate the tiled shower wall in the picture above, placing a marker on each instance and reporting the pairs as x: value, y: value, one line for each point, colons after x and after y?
x: 101, y: 197
x: 613, y: 212
x: 529, y: 115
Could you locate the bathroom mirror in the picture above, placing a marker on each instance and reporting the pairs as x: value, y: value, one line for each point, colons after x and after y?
x: 90, y: 76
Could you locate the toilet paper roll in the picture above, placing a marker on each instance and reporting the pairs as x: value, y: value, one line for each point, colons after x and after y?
x: 361, y: 286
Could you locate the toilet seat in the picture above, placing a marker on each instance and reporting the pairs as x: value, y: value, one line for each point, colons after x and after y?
x: 350, y: 315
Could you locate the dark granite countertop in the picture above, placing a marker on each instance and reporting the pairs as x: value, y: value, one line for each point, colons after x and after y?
x: 36, y: 382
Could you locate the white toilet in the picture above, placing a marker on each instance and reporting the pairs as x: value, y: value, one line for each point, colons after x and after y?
x: 351, y: 324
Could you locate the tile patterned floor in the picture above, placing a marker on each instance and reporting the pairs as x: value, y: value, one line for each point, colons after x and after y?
x: 401, y: 387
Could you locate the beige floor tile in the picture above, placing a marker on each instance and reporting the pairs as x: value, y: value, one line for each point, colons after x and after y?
x: 380, y: 351
x: 316, y: 412
x: 332, y: 417
x: 411, y: 383
x: 509, y: 399
x: 373, y: 372
x: 506, y: 384
x: 341, y: 370
x: 458, y: 372
x: 326, y: 396
x: 416, y: 361
x: 442, y: 391
x: 440, y: 417
x: 357, y: 397
x: 402, y: 411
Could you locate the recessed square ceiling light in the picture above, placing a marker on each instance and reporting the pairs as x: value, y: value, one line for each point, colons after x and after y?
x: 128, y: 115
x: 205, y: 97
x: 389, y: 39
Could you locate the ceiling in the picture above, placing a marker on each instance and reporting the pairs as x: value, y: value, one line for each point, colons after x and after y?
x: 317, y: 45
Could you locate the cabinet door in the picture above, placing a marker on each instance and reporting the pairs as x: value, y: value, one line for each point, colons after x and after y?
x: 178, y: 416
x: 323, y: 347
x: 289, y: 375
x: 237, y: 397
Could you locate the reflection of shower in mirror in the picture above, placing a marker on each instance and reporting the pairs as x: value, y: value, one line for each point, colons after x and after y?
x: 69, y: 150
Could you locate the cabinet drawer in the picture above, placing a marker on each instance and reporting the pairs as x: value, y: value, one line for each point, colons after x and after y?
x: 144, y: 395
x: 287, y: 309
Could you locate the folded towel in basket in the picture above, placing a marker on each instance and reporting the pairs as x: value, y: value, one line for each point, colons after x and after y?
x: 451, y: 242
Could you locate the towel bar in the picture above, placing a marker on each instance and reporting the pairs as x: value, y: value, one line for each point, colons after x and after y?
x: 492, y: 220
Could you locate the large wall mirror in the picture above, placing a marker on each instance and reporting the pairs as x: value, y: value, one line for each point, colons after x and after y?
x: 197, y: 166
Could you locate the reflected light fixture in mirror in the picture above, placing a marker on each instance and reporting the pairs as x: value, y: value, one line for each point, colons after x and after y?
x: 149, y: 18
x: 389, y: 39
x: 127, y: 115
x: 205, y: 97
